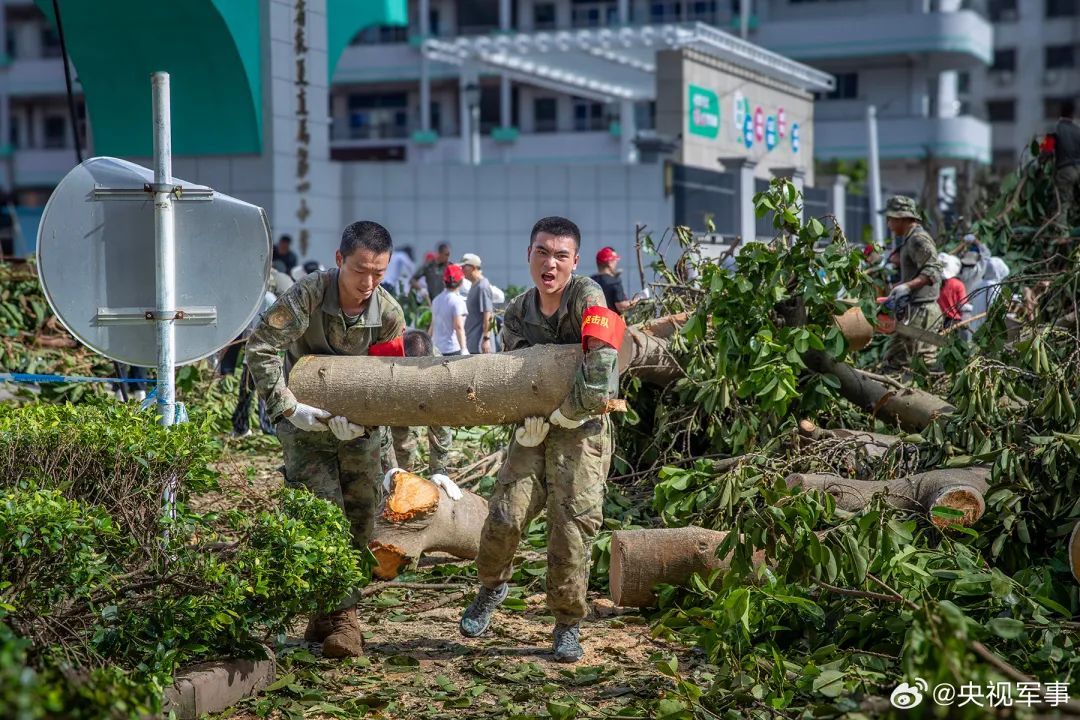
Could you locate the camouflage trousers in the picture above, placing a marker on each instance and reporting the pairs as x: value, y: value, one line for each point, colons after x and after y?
x: 566, y: 475
x: 348, y: 474
x: 399, y: 448
x: 900, y: 350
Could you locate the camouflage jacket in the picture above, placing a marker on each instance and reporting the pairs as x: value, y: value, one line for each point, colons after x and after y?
x: 292, y: 325
x: 597, y: 379
x: 918, y: 256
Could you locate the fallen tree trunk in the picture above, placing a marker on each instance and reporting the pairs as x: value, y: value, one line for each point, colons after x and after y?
x: 911, y: 408
x: 485, y: 389
x: 874, y: 444
x: 418, y: 517
x: 960, y: 489
x: 643, y: 559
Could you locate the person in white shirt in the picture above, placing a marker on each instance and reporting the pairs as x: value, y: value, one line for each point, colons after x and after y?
x: 399, y: 270
x: 448, y: 311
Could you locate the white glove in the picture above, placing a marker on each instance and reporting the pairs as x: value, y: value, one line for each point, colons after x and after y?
x: 533, y: 432
x: 557, y: 418
x: 344, y: 430
x: 899, y: 293
x: 448, y: 485
x: 309, y: 418
x: 967, y: 307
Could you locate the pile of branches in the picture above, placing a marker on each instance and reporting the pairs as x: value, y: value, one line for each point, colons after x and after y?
x: 856, y: 549
x: 105, y: 591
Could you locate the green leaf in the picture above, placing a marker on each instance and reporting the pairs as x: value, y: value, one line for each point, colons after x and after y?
x: 1008, y: 628
x: 829, y: 683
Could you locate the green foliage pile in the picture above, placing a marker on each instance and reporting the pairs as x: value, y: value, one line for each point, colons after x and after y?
x: 103, y: 594
x: 851, y: 604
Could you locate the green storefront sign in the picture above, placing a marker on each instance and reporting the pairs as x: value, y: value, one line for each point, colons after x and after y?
x: 704, y: 112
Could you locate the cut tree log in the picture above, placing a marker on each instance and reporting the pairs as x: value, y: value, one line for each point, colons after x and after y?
x: 485, y: 389
x: 874, y: 444
x: 418, y: 517
x: 911, y: 408
x: 960, y: 489
x: 643, y: 559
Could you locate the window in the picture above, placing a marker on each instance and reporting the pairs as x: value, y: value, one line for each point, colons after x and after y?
x: 10, y: 45
x: 433, y: 22
x: 14, y: 133
x: 378, y: 116
x: 477, y: 17
x: 1003, y: 10
x: 1062, y: 8
x: 665, y: 11
x: 1004, y: 60
x: 590, y: 115
x: 847, y: 88
x: 1052, y: 107
x: 50, y: 43
x: 545, y: 115
x: 55, y: 131
x: 703, y: 10
x: 544, y: 16
x: 1001, y: 111
x: 963, y: 83
x: 381, y: 35
x: 645, y: 115
x: 594, y: 13
x: 436, y: 116
x: 1059, y: 56
x: 489, y: 109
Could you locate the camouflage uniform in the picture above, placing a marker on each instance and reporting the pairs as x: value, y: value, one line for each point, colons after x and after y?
x: 566, y: 473
x: 918, y: 256
x: 399, y: 448
x: 308, y: 320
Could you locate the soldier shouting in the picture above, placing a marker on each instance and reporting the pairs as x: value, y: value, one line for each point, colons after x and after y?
x: 342, y: 311
x: 558, y: 463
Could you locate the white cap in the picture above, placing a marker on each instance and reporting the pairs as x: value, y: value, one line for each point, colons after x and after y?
x: 950, y: 265
x: 470, y: 259
x: 969, y: 238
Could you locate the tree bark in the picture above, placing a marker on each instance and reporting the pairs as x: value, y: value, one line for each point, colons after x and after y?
x: 874, y: 444
x: 1074, y: 552
x: 487, y: 389
x: 960, y: 489
x: 643, y: 559
x: 418, y: 517
x: 911, y: 408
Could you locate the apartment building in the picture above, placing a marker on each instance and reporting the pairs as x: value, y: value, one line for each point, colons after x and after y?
x: 1036, y: 65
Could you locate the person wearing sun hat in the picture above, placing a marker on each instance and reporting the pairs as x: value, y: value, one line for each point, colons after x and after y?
x: 914, y: 298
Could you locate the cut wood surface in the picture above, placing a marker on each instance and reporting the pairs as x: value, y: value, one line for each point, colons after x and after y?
x: 417, y: 517
x: 961, y: 489
x: 643, y: 559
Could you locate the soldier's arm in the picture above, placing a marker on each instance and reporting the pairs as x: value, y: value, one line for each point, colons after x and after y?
x: 393, y: 320
x: 282, y: 324
x: 414, y: 281
x: 925, y: 256
x: 597, y: 378
x: 513, y: 337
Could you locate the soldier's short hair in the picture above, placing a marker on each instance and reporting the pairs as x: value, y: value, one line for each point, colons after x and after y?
x: 367, y: 235
x: 418, y: 344
x: 557, y: 226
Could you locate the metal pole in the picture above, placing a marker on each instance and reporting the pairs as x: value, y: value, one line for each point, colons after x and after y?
x: 744, y: 19
x: 463, y: 117
x: 474, y: 133
x: 425, y: 71
x: 165, y: 249
x: 875, y: 174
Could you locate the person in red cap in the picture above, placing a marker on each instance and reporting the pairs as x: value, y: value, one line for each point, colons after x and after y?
x: 607, y: 277
x: 448, y: 313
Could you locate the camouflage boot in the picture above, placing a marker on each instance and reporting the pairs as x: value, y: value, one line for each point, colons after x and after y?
x: 477, y: 616
x: 318, y: 628
x: 567, y: 648
x: 345, y: 639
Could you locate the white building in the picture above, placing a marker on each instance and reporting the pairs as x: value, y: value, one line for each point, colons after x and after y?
x: 1036, y: 65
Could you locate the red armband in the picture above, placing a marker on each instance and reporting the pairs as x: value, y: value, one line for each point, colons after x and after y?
x: 391, y: 348
x: 603, y: 324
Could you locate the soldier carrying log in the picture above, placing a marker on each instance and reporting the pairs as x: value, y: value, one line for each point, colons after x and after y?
x: 561, y: 462
x: 342, y: 311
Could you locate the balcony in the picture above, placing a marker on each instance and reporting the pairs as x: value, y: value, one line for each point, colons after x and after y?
x: 43, y: 168
x: 959, y: 138
x: 954, y: 40
x: 535, y: 148
x: 38, y: 76
x: 383, y: 63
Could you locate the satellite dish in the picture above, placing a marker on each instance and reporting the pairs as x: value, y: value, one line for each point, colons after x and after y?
x: 96, y: 261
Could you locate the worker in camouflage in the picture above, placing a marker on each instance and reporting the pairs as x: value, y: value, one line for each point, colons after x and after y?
x: 915, y: 298
x: 558, y: 463
x: 342, y: 311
